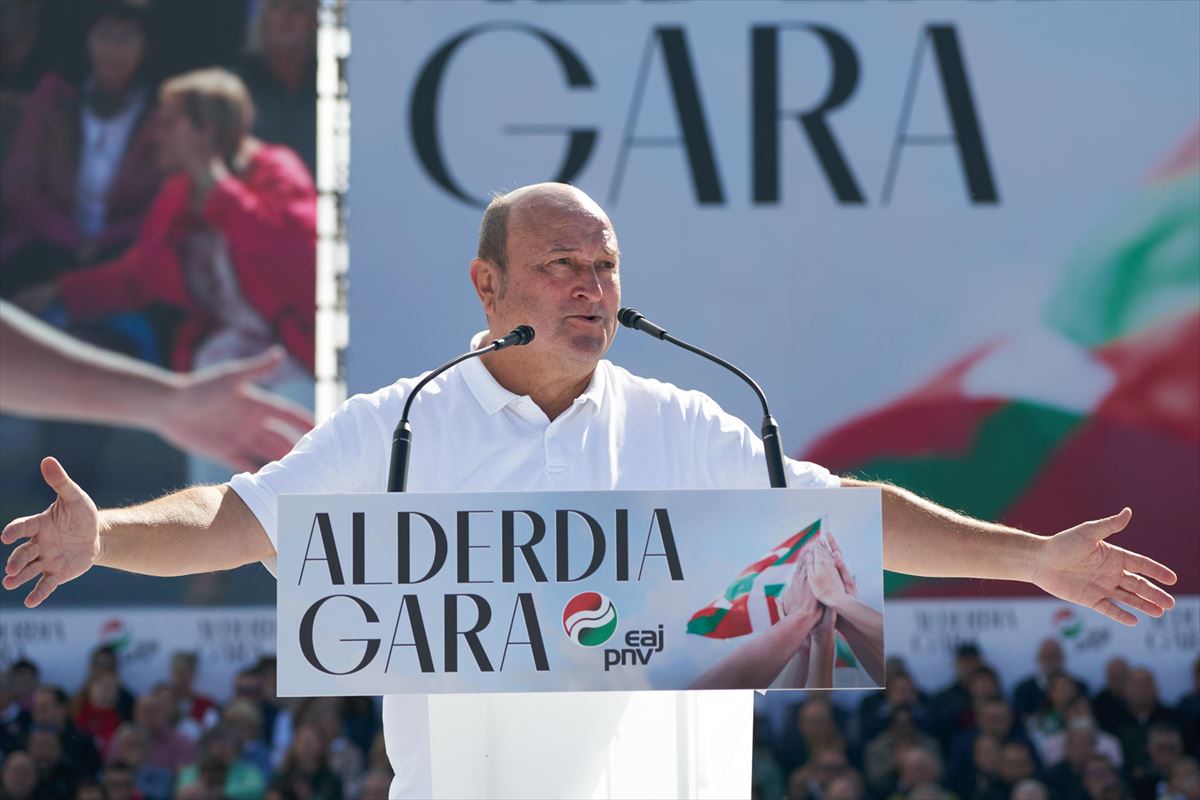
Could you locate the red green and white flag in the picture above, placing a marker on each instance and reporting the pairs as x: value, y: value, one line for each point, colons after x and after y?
x: 752, y: 601
x: 1096, y: 408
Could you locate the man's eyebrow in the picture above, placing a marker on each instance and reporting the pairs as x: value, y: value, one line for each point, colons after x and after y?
x: 611, y: 252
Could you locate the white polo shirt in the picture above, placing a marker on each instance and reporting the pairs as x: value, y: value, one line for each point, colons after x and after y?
x: 471, y: 434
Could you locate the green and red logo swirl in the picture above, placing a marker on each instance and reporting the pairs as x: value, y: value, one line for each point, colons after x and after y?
x: 589, y: 619
x: 1068, y: 625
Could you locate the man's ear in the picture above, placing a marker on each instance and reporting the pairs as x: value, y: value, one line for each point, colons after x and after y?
x: 485, y: 275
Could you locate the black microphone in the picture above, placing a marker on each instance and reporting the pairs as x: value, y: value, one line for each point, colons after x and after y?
x: 402, y: 438
x: 772, y: 442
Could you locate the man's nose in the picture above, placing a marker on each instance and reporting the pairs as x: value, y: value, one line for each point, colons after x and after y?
x: 588, y: 286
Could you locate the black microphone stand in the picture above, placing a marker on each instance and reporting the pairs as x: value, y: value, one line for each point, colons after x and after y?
x: 402, y: 438
x: 772, y: 442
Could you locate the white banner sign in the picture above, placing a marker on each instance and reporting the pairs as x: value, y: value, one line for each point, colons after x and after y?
x: 572, y: 591
x: 1008, y: 631
x: 60, y: 642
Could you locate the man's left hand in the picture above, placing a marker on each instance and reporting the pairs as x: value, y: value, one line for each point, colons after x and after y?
x: 1079, y: 566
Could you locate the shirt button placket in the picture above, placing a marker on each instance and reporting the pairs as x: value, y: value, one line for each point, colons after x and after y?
x: 555, y: 463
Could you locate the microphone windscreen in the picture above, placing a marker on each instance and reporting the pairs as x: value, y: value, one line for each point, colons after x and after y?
x: 628, y: 317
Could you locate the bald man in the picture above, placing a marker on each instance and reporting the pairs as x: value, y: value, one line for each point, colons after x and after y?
x: 553, y: 415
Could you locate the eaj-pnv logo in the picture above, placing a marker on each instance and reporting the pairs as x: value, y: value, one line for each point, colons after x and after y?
x: 1067, y: 624
x: 589, y: 619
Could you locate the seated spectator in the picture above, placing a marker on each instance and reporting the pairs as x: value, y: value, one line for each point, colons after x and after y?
x: 983, y: 684
x: 19, y: 67
x: 1185, y: 780
x: 244, y: 722
x: 930, y: 791
x: 49, y: 712
x: 212, y: 777
x: 305, y: 770
x: 220, y: 767
x: 813, y: 729
x: 1109, y: 703
x: 1029, y: 694
x: 1066, y: 776
x: 248, y: 687
x: 104, y: 660
x: 196, y: 712
x: 901, y: 691
x: 1189, y: 712
x: 167, y: 748
x: 83, y: 166
x: 847, y: 786
x: 920, y: 773
x: 1164, y: 746
x: 953, y: 701
x: 23, y: 678
x: 994, y: 717
x: 277, y: 719
x: 360, y: 721
x: 981, y: 781
x: 1051, y: 716
x: 55, y: 778
x: 1030, y: 789
x: 1079, y: 714
x: 129, y: 747
x: 18, y: 776
x: 89, y: 790
x: 1101, y: 781
x: 325, y: 715
x: 281, y: 73
x: 881, y: 755
x: 1016, y: 764
x: 118, y: 782
x: 1143, y: 710
x: 869, y: 710
x: 766, y: 776
x: 814, y: 780
x: 10, y: 713
x: 96, y: 709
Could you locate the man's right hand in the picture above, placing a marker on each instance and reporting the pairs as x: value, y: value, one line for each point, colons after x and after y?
x: 63, y: 541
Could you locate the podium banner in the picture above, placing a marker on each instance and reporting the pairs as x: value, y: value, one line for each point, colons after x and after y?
x: 569, y: 591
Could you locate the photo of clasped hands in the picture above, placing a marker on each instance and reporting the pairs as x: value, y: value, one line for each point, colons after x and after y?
x: 823, y: 588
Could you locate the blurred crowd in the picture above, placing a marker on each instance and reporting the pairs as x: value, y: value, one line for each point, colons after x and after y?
x: 1052, y: 738
x: 103, y: 742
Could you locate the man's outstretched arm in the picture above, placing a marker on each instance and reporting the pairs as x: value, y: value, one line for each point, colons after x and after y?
x: 1077, y: 564
x: 201, y: 529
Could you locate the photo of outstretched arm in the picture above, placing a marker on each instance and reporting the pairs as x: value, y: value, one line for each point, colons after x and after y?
x: 216, y: 412
x: 782, y: 647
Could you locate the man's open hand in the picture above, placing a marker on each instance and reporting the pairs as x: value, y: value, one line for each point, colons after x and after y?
x: 1078, y: 565
x: 63, y: 541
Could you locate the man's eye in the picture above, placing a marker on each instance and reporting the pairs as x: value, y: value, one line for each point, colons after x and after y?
x: 607, y: 265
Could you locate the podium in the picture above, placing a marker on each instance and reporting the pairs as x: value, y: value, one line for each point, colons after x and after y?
x: 605, y: 605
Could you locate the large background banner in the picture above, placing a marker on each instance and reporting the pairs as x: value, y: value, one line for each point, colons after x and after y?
x: 958, y: 244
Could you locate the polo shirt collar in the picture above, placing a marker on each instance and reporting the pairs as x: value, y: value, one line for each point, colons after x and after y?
x: 492, y: 397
